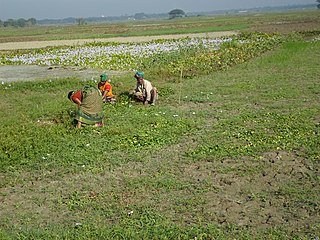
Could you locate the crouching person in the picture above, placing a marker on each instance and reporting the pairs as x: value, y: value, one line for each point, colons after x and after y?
x: 106, y: 89
x: 89, y: 106
x: 144, y: 90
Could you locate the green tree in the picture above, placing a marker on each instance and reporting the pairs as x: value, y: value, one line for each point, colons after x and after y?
x: 21, y: 22
x: 32, y: 21
x: 318, y: 1
x: 80, y: 21
x: 176, y: 13
x: 9, y: 23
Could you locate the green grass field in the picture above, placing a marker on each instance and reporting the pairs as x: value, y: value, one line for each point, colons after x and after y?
x: 233, y: 154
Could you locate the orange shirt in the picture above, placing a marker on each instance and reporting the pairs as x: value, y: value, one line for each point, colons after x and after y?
x: 105, y: 86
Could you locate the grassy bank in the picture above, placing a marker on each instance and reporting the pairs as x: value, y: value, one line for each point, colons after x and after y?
x: 233, y: 154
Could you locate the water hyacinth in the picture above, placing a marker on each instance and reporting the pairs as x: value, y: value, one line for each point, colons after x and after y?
x: 110, y: 56
x: 184, y: 57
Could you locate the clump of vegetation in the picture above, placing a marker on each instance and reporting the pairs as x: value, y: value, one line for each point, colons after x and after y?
x: 170, y: 58
x: 21, y: 22
x: 192, y: 61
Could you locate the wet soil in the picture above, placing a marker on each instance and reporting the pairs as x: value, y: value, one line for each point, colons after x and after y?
x: 33, y: 72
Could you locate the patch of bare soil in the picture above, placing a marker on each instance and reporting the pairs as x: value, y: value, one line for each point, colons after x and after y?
x: 31, y: 72
x: 286, y: 27
x: 260, y: 194
x: 254, y: 193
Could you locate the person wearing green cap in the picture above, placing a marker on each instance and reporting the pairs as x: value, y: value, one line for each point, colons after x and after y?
x: 106, y: 88
x: 144, y: 90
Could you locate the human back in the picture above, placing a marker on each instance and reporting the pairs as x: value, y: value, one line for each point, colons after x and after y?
x: 91, y: 100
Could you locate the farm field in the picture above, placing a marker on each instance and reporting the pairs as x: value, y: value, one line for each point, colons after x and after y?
x: 133, y: 39
x: 231, y: 150
x: 285, y: 22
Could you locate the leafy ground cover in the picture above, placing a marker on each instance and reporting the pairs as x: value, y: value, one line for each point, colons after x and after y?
x: 169, y: 58
x: 227, y: 154
x: 230, y: 151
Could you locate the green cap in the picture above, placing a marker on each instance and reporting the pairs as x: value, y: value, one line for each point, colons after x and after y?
x: 139, y: 74
x: 103, y: 77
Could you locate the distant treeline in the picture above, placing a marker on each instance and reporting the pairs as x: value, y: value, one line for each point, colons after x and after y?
x: 21, y: 22
x: 140, y: 16
x: 102, y: 19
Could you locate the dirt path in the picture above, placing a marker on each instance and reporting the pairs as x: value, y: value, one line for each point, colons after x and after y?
x: 14, y: 73
x: 42, y: 44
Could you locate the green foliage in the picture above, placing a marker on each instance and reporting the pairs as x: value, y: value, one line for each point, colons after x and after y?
x: 176, y: 13
x: 197, y: 61
x: 229, y: 155
x: 187, y: 61
x: 161, y: 127
x: 146, y: 225
x: 19, y: 22
x: 279, y: 133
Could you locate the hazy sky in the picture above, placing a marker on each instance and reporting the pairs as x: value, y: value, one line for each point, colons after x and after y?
x: 54, y: 9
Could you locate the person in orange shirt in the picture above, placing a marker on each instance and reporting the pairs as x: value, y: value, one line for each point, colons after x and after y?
x: 106, y: 88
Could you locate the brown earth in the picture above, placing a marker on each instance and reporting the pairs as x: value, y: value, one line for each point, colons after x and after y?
x: 286, y: 27
x: 248, y: 193
x: 14, y: 73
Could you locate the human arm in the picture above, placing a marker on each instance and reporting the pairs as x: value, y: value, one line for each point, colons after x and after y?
x: 107, y: 91
x: 148, y: 89
x: 138, y: 92
x: 104, y: 94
